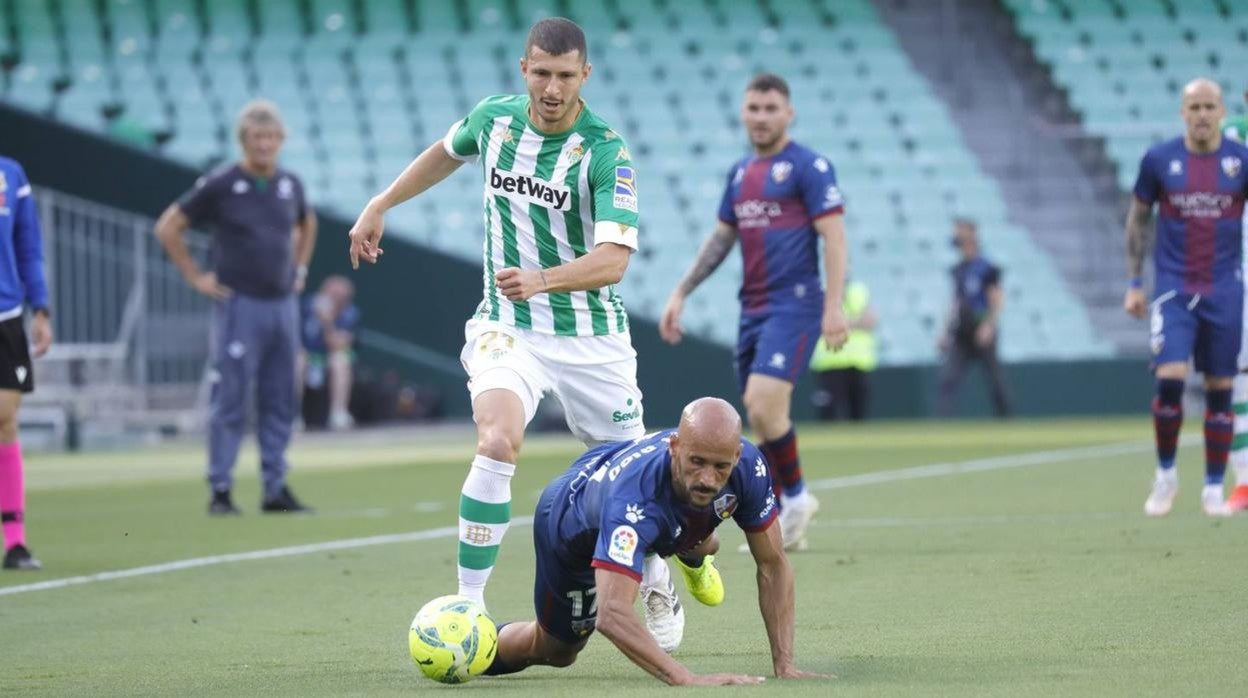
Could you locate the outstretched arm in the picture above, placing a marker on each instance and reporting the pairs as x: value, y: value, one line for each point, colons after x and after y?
x: 618, y: 622
x: 713, y: 252
x: 429, y: 168
x: 775, y: 598
x: 1137, y: 232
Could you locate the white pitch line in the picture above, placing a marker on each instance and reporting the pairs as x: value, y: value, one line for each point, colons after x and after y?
x: 344, y: 544
x: 979, y: 465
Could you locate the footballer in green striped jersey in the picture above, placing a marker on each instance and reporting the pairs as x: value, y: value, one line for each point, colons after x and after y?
x: 549, y: 199
x: 1236, y: 128
x: 560, y: 215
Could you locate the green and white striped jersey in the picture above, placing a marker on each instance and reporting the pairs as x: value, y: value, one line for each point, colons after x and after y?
x: 549, y: 199
x: 1235, y: 128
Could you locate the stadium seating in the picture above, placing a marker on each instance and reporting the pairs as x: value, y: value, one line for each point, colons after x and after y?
x: 364, y: 86
x: 1125, y: 62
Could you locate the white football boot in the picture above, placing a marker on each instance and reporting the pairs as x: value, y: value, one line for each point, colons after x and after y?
x: 1213, y: 503
x: 1165, y: 488
x: 796, y: 514
x: 665, y: 618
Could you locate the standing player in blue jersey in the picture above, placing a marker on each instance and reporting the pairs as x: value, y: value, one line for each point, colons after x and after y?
x: 21, y: 284
x: 1199, y: 183
x: 664, y: 493
x: 779, y: 201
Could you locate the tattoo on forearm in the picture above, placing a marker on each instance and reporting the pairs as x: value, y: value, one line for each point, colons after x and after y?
x: 712, y: 254
x: 1137, y: 221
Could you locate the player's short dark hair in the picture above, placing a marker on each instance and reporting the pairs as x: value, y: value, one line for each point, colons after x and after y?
x: 965, y: 222
x: 557, y: 36
x: 768, y: 82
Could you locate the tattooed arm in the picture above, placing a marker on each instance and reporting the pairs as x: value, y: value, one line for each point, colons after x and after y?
x: 712, y: 254
x: 1137, y: 223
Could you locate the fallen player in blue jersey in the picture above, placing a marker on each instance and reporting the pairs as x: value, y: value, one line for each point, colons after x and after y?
x: 664, y: 493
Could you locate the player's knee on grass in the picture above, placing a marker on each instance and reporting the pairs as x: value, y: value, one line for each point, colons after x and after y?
x: 551, y: 651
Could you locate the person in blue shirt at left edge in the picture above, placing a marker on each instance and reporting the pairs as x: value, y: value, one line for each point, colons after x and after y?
x: 664, y: 493
x: 21, y: 284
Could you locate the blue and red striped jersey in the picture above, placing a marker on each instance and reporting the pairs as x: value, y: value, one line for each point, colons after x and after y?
x: 620, y: 504
x: 773, y: 203
x: 1200, y: 198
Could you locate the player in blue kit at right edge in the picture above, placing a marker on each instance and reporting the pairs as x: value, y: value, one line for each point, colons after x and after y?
x: 664, y: 493
x: 1199, y: 183
x: 779, y: 201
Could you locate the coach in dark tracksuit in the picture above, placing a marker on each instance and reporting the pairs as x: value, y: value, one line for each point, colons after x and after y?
x: 971, y: 334
x: 263, y: 235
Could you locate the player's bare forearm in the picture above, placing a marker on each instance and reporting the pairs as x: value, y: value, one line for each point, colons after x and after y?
x: 429, y: 168
x: 618, y: 622
x: 602, y: 266
x: 835, y: 257
x: 712, y: 253
x: 775, y: 594
x: 305, y: 242
x: 169, y: 231
x: 1138, y: 216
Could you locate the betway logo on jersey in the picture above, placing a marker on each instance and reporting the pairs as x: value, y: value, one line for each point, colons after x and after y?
x: 1201, y: 204
x: 530, y: 189
x: 755, y: 213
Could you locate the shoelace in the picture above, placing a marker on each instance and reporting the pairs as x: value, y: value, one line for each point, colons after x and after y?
x: 658, y: 599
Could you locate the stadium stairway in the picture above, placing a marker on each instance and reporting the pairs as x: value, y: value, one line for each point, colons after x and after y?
x: 1053, y: 175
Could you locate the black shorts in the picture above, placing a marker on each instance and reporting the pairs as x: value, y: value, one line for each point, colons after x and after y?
x: 15, y: 369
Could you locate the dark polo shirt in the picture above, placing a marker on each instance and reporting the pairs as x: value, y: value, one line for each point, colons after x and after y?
x: 252, y: 220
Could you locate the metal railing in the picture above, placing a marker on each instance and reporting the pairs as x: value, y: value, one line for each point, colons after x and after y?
x: 131, y: 335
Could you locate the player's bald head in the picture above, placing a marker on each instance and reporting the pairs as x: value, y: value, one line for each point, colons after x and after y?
x: 710, y: 421
x: 1202, y: 110
x: 705, y: 449
x: 1202, y: 88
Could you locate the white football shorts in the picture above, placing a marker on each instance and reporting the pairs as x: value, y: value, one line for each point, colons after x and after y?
x: 594, y: 378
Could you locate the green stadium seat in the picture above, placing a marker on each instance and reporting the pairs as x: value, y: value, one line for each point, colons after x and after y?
x: 900, y: 158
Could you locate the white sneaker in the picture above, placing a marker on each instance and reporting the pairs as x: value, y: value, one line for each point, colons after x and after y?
x: 340, y: 421
x: 1165, y: 489
x: 795, y: 516
x: 665, y: 619
x: 1213, y: 503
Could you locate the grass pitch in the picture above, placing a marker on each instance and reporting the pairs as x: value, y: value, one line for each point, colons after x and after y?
x: 1017, y: 562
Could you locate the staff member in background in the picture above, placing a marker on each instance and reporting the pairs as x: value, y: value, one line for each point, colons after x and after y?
x: 263, y: 236
x: 971, y: 334
x: 843, y: 383
x: 21, y: 284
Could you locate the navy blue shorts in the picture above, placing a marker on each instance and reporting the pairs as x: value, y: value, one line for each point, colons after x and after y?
x: 1205, y: 328
x: 777, y: 345
x: 563, y: 594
